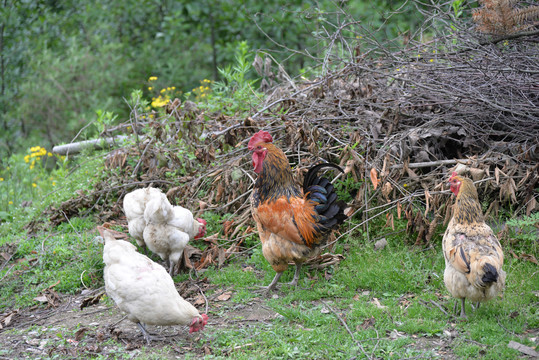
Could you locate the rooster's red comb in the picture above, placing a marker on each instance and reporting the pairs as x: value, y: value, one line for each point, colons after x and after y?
x: 453, y: 174
x: 261, y: 136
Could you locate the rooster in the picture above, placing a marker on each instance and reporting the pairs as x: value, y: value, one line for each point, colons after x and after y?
x: 292, y: 223
x: 144, y: 290
x: 473, y: 255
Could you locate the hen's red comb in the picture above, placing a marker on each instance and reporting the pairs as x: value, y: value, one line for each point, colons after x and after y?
x: 261, y: 136
x: 453, y: 174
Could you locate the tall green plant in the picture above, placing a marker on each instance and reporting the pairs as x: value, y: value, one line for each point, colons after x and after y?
x: 236, y: 90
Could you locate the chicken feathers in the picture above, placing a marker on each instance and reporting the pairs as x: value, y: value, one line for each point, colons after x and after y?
x: 292, y: 223
x: 473, y: 255
x: 134, y: 205
x: 169, y: 229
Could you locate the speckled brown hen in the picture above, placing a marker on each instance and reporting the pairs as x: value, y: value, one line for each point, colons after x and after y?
x: 292, y: 224
x: 473, y: 255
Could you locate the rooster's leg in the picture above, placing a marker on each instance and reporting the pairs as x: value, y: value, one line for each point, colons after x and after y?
x: 462, y: 309
x: 144, y: 333
x: 295, y: 280
x: 271, y: 286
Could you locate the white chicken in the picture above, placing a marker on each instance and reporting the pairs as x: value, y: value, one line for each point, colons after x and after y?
x: 134, y: 206
x: 183, y: 219
x: 144, y: 290
x: 169, y: 229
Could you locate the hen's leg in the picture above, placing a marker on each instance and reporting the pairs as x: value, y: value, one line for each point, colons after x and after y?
x: 295, y: 280
x: 462, y: 309
x: 145, y: 333
x: 477, y: 304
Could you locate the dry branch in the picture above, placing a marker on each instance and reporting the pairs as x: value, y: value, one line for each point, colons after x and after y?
x: 97, y: 144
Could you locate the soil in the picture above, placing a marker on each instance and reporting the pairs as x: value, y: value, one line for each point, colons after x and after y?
x: 72, y: 332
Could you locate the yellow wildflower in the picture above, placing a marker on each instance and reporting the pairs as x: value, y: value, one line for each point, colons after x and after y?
x: 34, y: 184
x: 152, y: 78
x: 10, y: 202
x: 27, y: 158
x: 173, y: 88
x: 160, y: 101
x: 431, y: 60
x: 54, y: 183
x: 1, y: 179
x: 49, y: 154
x: 163, y: 90
x: 150, y: 88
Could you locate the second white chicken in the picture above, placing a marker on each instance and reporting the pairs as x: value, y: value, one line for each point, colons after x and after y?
x: 169, y: 229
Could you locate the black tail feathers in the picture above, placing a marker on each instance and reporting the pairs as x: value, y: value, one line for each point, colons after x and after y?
x: 320, y: 190
x: 491, y: 274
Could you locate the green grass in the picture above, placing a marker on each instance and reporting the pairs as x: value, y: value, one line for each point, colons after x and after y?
x: 68, y: 255
x: 404, y: 280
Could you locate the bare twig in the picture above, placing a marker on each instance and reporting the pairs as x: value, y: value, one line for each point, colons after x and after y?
x: 347, y: 329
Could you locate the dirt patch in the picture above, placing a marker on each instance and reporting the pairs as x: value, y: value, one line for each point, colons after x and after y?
x: 99, y: 329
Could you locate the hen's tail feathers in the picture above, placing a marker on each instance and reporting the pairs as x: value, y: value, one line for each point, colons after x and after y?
x: 491, y: 274
x: 321, y: 191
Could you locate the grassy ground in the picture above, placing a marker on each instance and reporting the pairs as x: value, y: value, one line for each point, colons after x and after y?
x: 389, y: 303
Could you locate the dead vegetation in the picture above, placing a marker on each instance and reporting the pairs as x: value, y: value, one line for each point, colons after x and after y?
x: 398, y: 121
